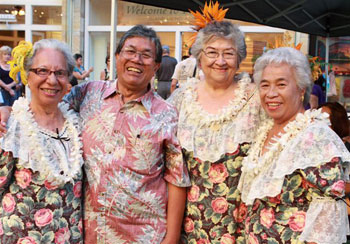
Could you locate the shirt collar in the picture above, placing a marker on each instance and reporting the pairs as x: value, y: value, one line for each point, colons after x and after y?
x: 112, y: 90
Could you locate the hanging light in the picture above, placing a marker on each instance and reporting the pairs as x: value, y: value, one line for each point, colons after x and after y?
x: 21, y: 12
x: 18, y: 10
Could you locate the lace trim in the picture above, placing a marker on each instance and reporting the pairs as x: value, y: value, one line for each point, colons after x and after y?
x: 39, y: 152
x: 209, y: 136
x: 323, y: 211
x: 307, y: 142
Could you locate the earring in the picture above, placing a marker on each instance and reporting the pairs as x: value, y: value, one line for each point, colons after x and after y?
x: 302, y: 98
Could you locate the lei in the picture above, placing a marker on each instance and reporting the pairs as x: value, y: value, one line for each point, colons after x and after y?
x: 255, y: 163
x: 229, y: 111
x: 57, y: 173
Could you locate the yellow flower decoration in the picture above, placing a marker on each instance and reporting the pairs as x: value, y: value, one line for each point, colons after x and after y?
x: 20, y: 53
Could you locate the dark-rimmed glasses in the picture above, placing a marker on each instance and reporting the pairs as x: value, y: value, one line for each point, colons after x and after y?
x: 44, y: 73
x: 131, y: 53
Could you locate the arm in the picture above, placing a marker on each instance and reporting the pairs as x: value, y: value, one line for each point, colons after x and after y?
x: 8, y: 87
x: 83, y: 75
x: 76, y: 96
x: 7, y: 168
x: 175, y: 212
x: 326, y: 219
x: 102, y: 75
x: 5, y: 112
x: 173, y: 85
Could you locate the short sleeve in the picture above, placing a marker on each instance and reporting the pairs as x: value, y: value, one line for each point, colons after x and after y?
x: 176, y: 97
x: 176, y: 171
x: 7, y: 168
x: 176, y: 74
x: 327, y: 185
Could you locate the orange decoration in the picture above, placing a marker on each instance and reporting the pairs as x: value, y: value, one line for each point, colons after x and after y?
x: 209, y: 14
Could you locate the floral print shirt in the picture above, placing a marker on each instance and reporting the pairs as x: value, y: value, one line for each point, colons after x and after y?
x: 131, y: 155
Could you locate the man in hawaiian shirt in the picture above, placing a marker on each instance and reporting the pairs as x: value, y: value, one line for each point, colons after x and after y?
x: 136, y: 177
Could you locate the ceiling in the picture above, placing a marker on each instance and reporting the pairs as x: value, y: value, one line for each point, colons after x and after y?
x: 316, y: 17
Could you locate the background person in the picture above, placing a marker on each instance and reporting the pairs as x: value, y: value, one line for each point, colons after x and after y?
x: 293, y: 176
x: 339, y: 120
x: 104, y: 75
x: 165, y: 72
x: 10, y: 91
x: 79, y: 72
x: 217, y: 121
x: 40, y: 162
x: 184, y: 70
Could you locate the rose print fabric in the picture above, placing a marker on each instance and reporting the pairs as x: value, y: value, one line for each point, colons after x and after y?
x: 131, y: 155
x: 214, y: 212
x: 282, y: 219
x: 214, y: 146
x: 32, y: 211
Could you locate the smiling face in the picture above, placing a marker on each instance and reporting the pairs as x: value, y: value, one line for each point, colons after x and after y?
x: 135, y: 73
x: 47, y: 91
x: 220, y: 69
x: 280, y: 95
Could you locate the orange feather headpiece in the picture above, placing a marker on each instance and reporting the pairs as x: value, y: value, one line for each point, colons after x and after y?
x: 209, y: 14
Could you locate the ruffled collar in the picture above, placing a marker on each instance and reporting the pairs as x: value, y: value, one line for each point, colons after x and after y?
x: 306, y: 141
x: 231, y: 110
x: 33, y: 142
x: 210, y: 136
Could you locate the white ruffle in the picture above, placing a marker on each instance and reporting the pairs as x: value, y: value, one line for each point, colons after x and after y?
x: 209, y: 136
x: 326, y: 222
x: 19, y: 143
x: 316, y: 145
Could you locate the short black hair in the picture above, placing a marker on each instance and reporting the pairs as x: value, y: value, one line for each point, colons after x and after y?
x: 142, y: 31
x: 77, y: 56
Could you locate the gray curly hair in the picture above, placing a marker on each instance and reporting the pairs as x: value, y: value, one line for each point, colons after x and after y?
x: 295, y: 59
x: 221, y: 29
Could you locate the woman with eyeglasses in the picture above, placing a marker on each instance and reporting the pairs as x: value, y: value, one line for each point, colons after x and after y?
x: 40, y: 157
x: 217, y: 120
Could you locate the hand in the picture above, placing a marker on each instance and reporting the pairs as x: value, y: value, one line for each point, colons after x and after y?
x: 12, y: 92
x: 91, y: 69
x: 169, y: 241
x: 4, y: 117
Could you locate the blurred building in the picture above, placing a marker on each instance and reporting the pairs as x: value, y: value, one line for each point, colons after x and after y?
x: 85, y: 26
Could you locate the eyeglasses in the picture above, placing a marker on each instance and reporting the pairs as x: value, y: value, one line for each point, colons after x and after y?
x: 131, y: 53
x: 44, y: 73
x: 215, y: 54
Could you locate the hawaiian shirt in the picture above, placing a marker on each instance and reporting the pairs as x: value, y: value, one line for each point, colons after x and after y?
x: 131, y: 154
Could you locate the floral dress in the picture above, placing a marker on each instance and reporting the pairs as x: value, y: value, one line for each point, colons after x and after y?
x: 40, y: 195
x: 214, y: 147
x: 293, y: 190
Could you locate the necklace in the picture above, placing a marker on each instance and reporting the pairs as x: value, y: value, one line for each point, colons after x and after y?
x: 255, y: 162
x: 55, y: 172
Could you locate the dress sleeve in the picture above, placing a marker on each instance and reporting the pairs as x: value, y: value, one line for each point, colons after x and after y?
x: 176, y: 171
x: 326, y: 219
x: 76, y: 96
x: 7, y: 168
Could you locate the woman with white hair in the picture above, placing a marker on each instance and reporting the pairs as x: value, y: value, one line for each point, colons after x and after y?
x: 8, y: 86
x: 40, y: 157
x: 217, y: 120
x: 293, y: 178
